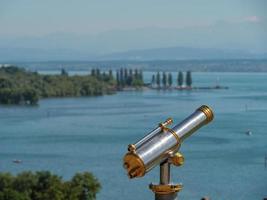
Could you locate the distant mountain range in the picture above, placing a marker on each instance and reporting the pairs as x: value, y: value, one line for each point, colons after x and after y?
x: 182, y: 53
x: 36, y: 54
x: 222, y: 40
x: 170, y: 53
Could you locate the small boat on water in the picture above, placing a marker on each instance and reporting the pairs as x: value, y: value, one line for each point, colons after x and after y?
x: 17, y: 161
x: 249, y: 132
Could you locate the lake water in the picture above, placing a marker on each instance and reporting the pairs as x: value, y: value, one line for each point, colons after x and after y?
x: 91, y: 134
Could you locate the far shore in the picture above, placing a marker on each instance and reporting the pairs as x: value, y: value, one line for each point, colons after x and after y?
x: 216, y: 87
x: 21, y: 87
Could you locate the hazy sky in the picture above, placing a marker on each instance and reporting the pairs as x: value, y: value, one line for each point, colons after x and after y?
x: 40, y: 17
x: 104, y: 26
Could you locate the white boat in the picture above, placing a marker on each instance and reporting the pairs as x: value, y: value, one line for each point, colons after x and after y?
x: 249, y: 132
x: 17, y: 161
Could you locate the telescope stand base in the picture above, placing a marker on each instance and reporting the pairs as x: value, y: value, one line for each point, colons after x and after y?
x: 172, y: 196
x: 166, y: 192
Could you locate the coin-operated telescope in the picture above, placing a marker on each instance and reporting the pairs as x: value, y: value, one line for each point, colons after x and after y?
x: 160, y: 147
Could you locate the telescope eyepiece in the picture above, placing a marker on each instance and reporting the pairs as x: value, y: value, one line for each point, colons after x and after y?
x: 208, y: 112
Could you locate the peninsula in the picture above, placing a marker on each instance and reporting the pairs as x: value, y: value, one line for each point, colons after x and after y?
x: 21, y: 87
x: 18, y: 86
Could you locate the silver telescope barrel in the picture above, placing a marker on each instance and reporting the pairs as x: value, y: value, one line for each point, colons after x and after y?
x: 157, y: 146
x: 200, y: 117
x: 135, y: 146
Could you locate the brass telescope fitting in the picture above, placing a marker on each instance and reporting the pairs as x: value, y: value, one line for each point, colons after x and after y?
x: 161, y: 126
x: 208, y: 112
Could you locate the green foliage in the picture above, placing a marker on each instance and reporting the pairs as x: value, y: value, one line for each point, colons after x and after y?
x: 18, y: 86
x: 12, y: 70
x: 188, y: 78
x: 83, y: 186
x: 6, y: 180
x: 122, y: 81
x: 18, y: 96
x: 118, y: 78
x: 164, y: 79
x: 137, y: 83
x: 93, y: 72
x: 10, y: 194
x: 127, y: 78
x: 169, y: 79
x: 64, y: 72
x: 5, y: 82
x: 158, y: 79
x: 110, y: 74
x: 180, y: 79
x: 153, y: 80
x: 45, y: 186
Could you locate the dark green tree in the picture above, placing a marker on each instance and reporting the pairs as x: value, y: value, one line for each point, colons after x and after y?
x: 10, y: 194
x: 180, y: 79
x: 5, y: 82
x: 25, y: 182
x: 12, y: 70
x: 169, y: 79
x: 122, y: 83
x: 105, y: 77
x: 136, y: 74
x: 158, y: 79
x: 46, y: 186
x: 93, y: 72
x: 98, y: 74
x: 30, y: 96
x: 153, y: 81
x: 6, y: 180
x: 164, y: 80
x: 131, y: 77
x: 137, y: 83
x: 110, y: 74
x: 84, y: 186
x: 64, y: 72
x: 118, y: 77
x: 140, y: 75
x: 129, y: 80
x: 126, y: 76
x: 188, y: 79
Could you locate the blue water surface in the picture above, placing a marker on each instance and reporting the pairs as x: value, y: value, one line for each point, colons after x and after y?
x: 67, y: 135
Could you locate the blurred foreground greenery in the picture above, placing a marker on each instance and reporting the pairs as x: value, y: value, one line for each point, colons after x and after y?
x: 43, y: 185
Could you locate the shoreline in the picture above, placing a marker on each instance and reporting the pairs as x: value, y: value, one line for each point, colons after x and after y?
x: 216, y: 87
x: 128, y: 89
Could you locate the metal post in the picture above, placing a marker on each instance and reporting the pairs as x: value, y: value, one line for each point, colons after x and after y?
x: 165, y: 180
x: 165, y: 173
x: 172, y: 196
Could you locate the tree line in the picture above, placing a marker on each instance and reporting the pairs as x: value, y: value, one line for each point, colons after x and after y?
x: 165, y: 80
x: 124, y: 77
x: 102, y: 76
x: 18, y: 86
x: 129, y: 78
x: 43, y: 185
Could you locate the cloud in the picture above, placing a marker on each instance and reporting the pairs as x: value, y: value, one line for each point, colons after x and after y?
x: 253, y: 19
